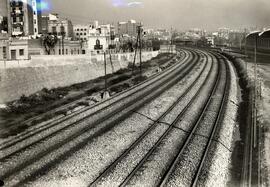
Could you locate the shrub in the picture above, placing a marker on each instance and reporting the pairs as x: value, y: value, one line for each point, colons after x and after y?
x: 119, y: 88
x: 119, y: 79
x: 93, y: 90
x: 138, y: 79
x: 83, y: 103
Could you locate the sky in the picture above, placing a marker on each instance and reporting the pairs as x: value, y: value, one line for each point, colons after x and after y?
x: 179, y: 14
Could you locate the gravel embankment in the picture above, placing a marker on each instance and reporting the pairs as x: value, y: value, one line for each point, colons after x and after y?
x: 82, y: 113
x: 189, y: 161
x: 66, y: 124
x: 217, y: 174
x: 156, y: 163
x: 133, y: 158
x: 44, y: 147
x: 82, y: 156
x: 153, y: 168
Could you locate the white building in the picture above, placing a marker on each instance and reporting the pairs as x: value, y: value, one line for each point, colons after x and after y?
x: 81, y: 32
x: 100, y: 37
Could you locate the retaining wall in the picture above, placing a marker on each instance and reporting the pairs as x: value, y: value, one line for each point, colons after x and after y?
x: 30, y: 76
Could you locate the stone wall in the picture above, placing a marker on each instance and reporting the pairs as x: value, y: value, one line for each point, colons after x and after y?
x: 27, y: 77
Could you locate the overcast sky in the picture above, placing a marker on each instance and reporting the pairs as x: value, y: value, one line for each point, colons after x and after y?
x: 180, y: 14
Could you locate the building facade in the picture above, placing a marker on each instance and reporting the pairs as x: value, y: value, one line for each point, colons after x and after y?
x: 100, y: 38
x: 36, y: 16
x: 5, y: 26
x: 25, y: 17
x: 4, y: 41
x: 127, y: 28
x: 81, y: 32
x: 60, y: 27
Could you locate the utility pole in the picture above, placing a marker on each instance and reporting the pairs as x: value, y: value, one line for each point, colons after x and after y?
x: 139, y: 33
x: 171, y: 47
x: 105, y: 72
x: 138, y: 43
x: 62, y: 30
x: 111, y: 43
x: 255, y: 90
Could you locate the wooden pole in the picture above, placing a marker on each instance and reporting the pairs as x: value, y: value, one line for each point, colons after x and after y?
x: 105, y: 72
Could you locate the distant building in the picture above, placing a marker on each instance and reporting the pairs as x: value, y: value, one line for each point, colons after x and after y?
x: 60, y: 26
x: 5, y: 25
x: 100, y: 38
x: 4, y: 43
x: 81, y: 32
x: 25, y: 17
x: 223, y: 33
x: 44, y: 24
x: 129, y: 28
x: 18, y: 49
x: 36, y: 16
x: 167, y: 49
x: 236, y: 39
x: 210, y: 40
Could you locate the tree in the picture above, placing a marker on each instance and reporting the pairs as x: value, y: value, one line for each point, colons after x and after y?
x: 49, y: 42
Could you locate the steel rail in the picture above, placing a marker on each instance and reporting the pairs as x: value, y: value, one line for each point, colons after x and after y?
x: 53, y: 123
x: 138, y: 140
x: 171, y: 168
x: 84, y: 130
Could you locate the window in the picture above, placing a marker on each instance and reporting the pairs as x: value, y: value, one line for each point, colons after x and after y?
x: 66, y: 51
x: 35, y: 21
x: 13, y: 54
x: 77, y: 34
x: 59, y: 51
x: 81, y: 29
x: 21, y: 52
x: 62, y: 28
x: 34, y: 12
x: 78, y: 29
x: 80, y: 33
x: 35, y: 30
x: 84, y: 33
x: 53, y: 29
x: 84, y: 29
x: 4, y: 52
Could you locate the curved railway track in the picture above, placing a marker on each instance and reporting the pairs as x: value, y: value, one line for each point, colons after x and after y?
x: 140, y: 139
x: 93, y: 110
x: 210, y: 137
x: 105, y: 174
x: 190, y: 126
x: 96, y: 108
x: 9, y: 170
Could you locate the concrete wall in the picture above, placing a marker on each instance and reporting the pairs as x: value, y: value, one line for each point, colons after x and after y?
x: 27, y: 77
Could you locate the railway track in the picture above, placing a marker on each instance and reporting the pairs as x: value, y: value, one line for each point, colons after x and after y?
x: 91, y: 109
x: 86, y: 112
x: 172, y: 148
x: 107, y: 178
x: 147, y: 132
x: 37, y: 126
x: 10, y: 171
